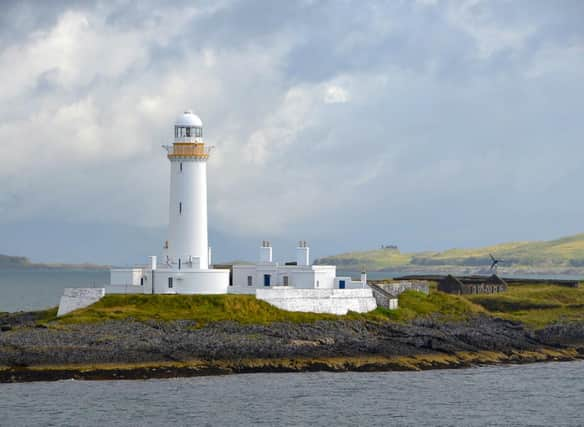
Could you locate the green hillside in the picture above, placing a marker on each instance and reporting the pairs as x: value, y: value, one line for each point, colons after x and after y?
x: 566, y: 253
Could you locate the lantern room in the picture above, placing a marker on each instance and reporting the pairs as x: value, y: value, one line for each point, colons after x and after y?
x: 188, y: 127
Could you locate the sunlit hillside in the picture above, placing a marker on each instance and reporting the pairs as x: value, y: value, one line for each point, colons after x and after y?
x: 567, y: 253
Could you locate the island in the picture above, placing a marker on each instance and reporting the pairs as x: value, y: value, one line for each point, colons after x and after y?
x: 158, y: 336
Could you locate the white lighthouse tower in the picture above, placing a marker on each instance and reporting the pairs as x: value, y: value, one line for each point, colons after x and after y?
x: 184, y: 267
x: 187, y: 245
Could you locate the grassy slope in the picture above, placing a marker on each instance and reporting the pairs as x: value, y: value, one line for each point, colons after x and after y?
x: 533, y: 305
x: 566, y: 252
x: 247, y: 309
x: 200, y: 308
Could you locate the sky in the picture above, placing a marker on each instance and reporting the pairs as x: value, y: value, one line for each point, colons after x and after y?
x: 349, y: 124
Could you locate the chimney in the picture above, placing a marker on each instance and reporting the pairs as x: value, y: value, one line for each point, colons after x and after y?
x: 363, y: 278
x: 266, y: 252
x: 303, y: 253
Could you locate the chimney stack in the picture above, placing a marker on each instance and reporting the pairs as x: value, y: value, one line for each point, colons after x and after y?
x: 266, y: 252
x: 303, y: 253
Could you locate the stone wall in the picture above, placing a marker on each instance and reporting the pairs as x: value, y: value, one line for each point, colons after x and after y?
x: 383, y: 298
x: 76, y: 298
x: 396, y: 288
x: 333, y: 301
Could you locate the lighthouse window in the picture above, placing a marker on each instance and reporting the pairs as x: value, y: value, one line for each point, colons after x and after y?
x: 181, y: 166
x: 180, y: 208
x: 170, y: 284
x: 188, y: 131
x: 249, y: 280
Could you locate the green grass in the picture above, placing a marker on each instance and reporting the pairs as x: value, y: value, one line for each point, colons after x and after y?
x: 247, y: 309
x: 535, y: 305
x: 414, y: 304
x: 200, y: 308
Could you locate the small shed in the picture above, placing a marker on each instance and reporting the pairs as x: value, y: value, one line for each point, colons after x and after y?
x: 472, y: 285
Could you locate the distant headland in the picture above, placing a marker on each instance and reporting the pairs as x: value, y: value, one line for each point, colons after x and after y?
x: 8, y: 262
x: 560, y: 256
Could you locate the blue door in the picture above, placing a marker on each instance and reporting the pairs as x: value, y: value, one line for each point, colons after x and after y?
x: 341, y: 284
x: 267, y: 280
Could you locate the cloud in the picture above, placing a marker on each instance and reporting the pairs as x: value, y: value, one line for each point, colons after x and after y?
x: 325, y: 116
x: 336, y: 95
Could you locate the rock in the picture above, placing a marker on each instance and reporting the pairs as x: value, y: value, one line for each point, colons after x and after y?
x: 129, y: 341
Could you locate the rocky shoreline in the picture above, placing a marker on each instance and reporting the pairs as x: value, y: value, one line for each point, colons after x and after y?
x: 127, y: 349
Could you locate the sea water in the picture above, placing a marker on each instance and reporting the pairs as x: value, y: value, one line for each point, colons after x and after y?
x: 545, y: 394
x: 39, y: 289
x: 540, y: 394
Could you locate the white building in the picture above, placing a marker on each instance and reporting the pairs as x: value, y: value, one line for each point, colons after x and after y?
x: 247, y: 278
x: 185, y: 264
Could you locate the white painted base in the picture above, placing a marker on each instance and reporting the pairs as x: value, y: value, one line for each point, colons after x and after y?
x: 189, y: 281
x: 76, y: 298
x: 169, y: 281
x: 333, y: 301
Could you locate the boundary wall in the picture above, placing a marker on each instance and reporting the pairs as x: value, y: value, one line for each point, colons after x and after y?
x: 76, y: 298
x: 332, y: 301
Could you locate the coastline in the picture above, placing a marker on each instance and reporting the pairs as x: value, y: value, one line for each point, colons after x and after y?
x: 365, y: 363
x: 36, y: 347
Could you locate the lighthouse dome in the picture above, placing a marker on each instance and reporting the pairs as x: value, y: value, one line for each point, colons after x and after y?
x: 188, y: 127
x: 188, y: 119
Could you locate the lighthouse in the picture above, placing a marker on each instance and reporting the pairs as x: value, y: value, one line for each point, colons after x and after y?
x: 187, y: 245
x: 184, y: 267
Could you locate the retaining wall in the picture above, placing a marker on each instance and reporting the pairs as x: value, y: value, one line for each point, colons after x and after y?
x: 333, y: 301
x: 76, y: 298
x: 396, y: 288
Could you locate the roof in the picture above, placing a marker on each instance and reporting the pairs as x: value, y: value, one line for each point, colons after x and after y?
x: 188, y: 119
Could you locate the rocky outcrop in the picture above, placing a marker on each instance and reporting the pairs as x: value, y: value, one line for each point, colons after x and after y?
x: 23, y: 344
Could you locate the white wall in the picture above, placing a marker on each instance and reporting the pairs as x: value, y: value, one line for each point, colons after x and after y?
x: 76, y: 298
x: 325, y: 276
x: 189, y: 281
x: 125, y: 276
x: 349, y: 283
x: 333, y: 301
x: 187, y: 231
x: 241, y: 272
x: 300, y: 277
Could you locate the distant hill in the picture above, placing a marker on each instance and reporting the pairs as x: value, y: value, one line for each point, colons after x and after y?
x: 8, y: 262
x: 565, y: 255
